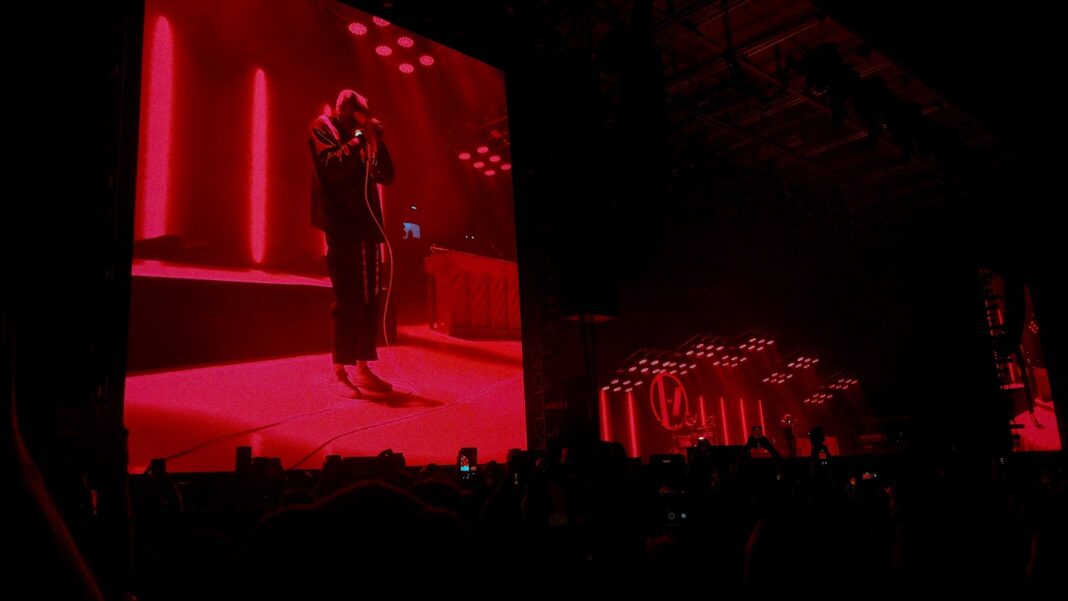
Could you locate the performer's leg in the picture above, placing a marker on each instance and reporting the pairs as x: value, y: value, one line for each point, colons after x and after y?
x: 344, y: 264
x: 365, y: 329
x: 369, y: 325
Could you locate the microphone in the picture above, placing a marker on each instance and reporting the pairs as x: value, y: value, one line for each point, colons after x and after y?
x: 359, y: 133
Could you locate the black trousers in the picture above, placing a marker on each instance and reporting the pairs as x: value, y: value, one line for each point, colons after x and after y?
x: 355, y: 275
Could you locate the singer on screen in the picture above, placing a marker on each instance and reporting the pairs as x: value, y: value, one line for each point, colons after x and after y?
x: 351, y: 158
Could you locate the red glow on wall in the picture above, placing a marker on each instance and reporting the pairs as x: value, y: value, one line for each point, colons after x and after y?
x: 379, y: 21
x: 632, y: 425
x: 405, y: 42
x: 258, y: 169
x: 495, y: 158
x: 159, y: 108
x: 760, y: 406
x: 482, y: 149
x: 464, y: 156
x: 506, y: 166
x: 723, y: 418
x: 383, y: 50
x: 701, y: 410
x: 741, y: 409
x: 490, y: 172
x: 426, y: 60
x: 478, y: 164
x: 606, y: 431
x: 406, y: 68
x: 357, y: 28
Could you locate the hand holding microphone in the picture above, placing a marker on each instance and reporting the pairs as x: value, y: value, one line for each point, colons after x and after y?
x: 368, y: 138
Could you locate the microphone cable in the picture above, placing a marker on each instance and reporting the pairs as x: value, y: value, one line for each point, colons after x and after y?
x: 389, y: 286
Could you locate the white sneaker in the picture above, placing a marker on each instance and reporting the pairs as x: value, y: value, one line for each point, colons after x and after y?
x: 368, y: 383
x: 342, y: 387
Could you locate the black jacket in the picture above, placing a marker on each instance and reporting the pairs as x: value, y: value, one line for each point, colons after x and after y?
x: 338, y: 205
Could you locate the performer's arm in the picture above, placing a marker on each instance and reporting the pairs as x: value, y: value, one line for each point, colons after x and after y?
x: 334, y: 158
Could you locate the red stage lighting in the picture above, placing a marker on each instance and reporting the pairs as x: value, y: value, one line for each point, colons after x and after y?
x: 482, y: 149
x: 158, y: 129
x: 405, y: 42
x: 357, y: 28
x: 380, y: 21
x: 406, y: 68
x: 426, y: 60
x: 258, y: 168
x: 384, y: 50
x: 464, y: 156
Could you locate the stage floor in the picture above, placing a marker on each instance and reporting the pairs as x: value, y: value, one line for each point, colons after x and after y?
x: 457, y: 393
